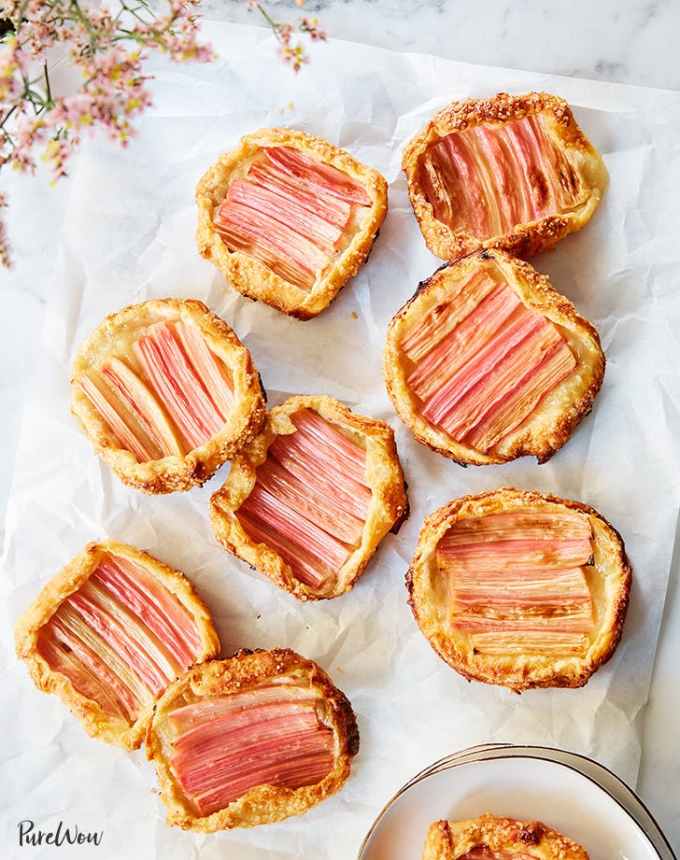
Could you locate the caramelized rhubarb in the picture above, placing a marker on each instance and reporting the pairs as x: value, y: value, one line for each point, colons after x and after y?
x: 120, y: 638
x: 310, y: 498
x: 489, y: 179
x: 291, y: 212
x: 225, y: 746
x: 516, y: 581
x: 483, y: 361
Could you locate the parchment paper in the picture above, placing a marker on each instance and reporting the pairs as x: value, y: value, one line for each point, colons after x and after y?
x: 129, y: 235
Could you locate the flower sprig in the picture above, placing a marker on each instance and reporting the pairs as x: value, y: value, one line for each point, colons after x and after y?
x: 291, y: 52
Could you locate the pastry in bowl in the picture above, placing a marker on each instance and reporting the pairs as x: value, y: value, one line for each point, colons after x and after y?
x: 513, y: 172
x: 492, y: 838
x: 519, y: 589
x: 487, y: 362
x: 250, y: 740
x: 288, y: 218
x: 109, y: 633
x: 308, y: 502
x: 166, y: 393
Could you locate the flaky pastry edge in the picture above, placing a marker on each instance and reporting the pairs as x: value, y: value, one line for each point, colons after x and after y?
x: 96, y: 722
x: 388, y: 509
x: 528, y: 671
x: 553, y: 422
x: 253, y: 278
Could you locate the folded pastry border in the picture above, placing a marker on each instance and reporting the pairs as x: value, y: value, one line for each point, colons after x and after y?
x: 172, y: 472
x: 524, y: 240
x: 253, y: 278
x: 553, y: 421
x: 95, y: 720
x: 450, y: 840
x: 526, y: 671
x: 388, y: 507
x: 263, y: 804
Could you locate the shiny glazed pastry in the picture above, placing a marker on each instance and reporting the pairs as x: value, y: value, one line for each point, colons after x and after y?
x: 519, y: 589
x: 510, y: 172
x: 109, y: 633
x: 288, y: 218
x: 492, y: 838
x: 308, y: 502
x: 487, y: 362
x: 166, y: 393
x: 250, y: 740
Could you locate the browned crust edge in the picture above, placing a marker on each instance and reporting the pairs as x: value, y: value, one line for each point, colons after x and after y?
x: 252, y: 278
x: 525, y: 240
x: 172, y: 473
x: 522, y: 680
x: 389, y: 507
x: 263, y: 804
x: 95, y: 720
x: 538, y: 294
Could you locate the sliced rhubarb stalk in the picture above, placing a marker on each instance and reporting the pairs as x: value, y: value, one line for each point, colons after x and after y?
x: 210, y: 370
x: 525, y: 522
x: 565, y: 588
x: 130, y: 436
x: 322, y: 233
x: 176, y: 385
x: 312, y: 505
x: 69, y: 629
x: 306, y: 567
x: 515, y: 554
x: 502, y: 379
x: 276, y: 240
x: 473, y: 208
x: 444, y: 318
x: 331, y: 209
x: 159, y: 610
x: 487, y: 181
x: 549, y: 642
x: 438, y: 192
x: 347, y: 455
x: 500, y: 163
x: 316, y: 174
x: 143, y: 404
x: 93, y: 685
x: 566, y: 182
x: 295, y: 528
x: 464, y: 342
x: 119, y: 641
x: 482, y: 363
x: 519, y: 403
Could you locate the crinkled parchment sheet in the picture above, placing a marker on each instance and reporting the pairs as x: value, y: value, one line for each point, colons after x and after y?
x: 129, y: 235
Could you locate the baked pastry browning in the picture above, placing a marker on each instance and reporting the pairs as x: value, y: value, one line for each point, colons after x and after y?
x: 166, y: 392
x: 487, y: 362
x: 109, y: 633
x: 519, y: 589
x: 289, y: 218
x: 250, y: 740
x: 510, y: 172
x: 310, y: 500
x: 490, y: 837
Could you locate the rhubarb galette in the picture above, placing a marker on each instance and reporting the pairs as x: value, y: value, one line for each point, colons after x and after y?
x: 166, y: 392
x: 519, y: 589
x: 511, y: 172
x: 250, y: 740
x: 109, y: 633
x: 289, y: 218
x: 487, y: 362
x: 308, y: 502
x: 492, y: 838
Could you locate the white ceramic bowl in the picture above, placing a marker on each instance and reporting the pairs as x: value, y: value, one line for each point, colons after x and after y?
x: 519, y: 786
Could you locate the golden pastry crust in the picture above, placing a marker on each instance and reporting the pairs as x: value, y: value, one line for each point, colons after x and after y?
x: 388, y: 508
x: 263, y: 804
x: 524, y: 240
x: 450, y: 840
x: 251, y: 277
x: 95, y: 720
x: 173, y: 472
x: 609, y: 580
x: 557, y: 415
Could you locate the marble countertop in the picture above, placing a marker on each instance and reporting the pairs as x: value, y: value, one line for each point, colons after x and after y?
x: 630, y: 41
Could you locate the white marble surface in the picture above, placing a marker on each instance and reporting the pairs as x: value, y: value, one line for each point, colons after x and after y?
x: 631, y: 41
